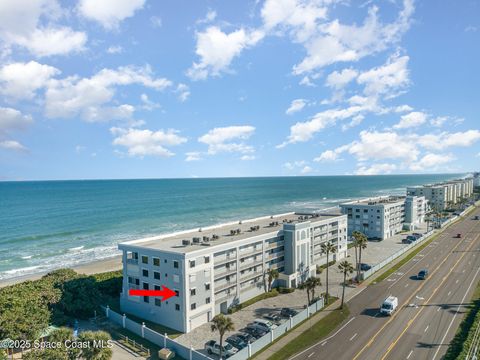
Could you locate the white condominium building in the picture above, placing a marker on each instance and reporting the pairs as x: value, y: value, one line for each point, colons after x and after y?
x: 214, y: 268
x: 383, y: 217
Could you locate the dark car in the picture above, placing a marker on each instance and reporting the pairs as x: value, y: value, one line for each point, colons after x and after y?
x: 365, y: 267
x: 247, y: 338
x: 417, y: 235
x: 406, y: 241
x: 287, y: 312
x: 459, y: 236
x: 412, y: 237
x: 236, y: 341
x: 254, y: 331
x: 476, y: 217
x: 273, y: 317
x: 422, y: 275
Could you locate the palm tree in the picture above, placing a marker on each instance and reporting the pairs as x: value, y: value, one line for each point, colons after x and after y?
x: 346, y: 268
x: 222, y: 324
x: 309, y: 285
x: 272, y: 275
x: 327, y: 248
x: 360, y: 242
x: 93, y: 352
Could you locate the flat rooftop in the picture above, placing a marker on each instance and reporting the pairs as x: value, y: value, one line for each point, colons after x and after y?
x: 376, y: 201
x: 176, y: 242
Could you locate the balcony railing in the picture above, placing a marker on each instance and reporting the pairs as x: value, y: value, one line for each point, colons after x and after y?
x: 132, y: 261
x: 224, y: 286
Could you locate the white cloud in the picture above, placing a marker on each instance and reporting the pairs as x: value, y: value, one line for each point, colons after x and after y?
x: 156, y: 21
x: 403, y: 108
x: 89, y: 97
x: 21, y: 80
x: 336, y: 42
x: 357, y: 120
x: 183, y: 92
x: 439, y: 121
x: 338, y: 80
x: 248, y: 157
x: 217, y: 50
x: 376, y: 169
x: 295, y: 106
x: 306, y: 169
x: 117, y: 49
x: 193, y: 156
x: 413, y: 119
x: 20, y: 25
x: 431, y: 161
x: 296, y: 164
x: 328, y: 156
x: 140, y: 143
x: 386, y: 79
x: 445, y: 139
x: 13, y: 120
x: 209, y: 17
x: 147, y: 103
x: 12, y: 145
x: 228, y: 139
x: 109, y: 13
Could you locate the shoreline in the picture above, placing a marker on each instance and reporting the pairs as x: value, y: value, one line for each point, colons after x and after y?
x: 94, y: 267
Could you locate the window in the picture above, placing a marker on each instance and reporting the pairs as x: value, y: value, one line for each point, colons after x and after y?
x: 144, y: 259
x: 207, y: 259
x: 192, y: 263
x: 193, y: 306
x: 156, y: 261
x: 156, y: 287
x: 158, y: 302
x: 207, y: 300
x: 207, y: 286
x: 193, y: 292
x: 156, y: 275
x: 146, y: 299
x: 144, y: 272
x: 175, y: 264
x: 177, y: 293
x: 145, y: 286
x: 177, y: 307
x: 165, y: 261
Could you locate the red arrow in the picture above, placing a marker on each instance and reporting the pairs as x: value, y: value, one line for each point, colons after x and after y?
x: 165, y: 293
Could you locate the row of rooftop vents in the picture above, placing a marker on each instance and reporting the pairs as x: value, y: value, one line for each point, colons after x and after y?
x: 206, y: 240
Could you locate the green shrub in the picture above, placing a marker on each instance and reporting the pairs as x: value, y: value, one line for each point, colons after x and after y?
x: 283, y: 290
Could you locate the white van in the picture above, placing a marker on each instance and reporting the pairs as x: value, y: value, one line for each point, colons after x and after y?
x: 265, y: 325
x: 389, y: 305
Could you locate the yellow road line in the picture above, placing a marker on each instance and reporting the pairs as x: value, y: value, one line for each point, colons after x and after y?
x: 405, y: 303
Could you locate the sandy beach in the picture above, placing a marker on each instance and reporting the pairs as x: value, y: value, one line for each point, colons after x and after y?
x: 87, y: 269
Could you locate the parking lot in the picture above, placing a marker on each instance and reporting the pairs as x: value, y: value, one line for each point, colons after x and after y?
x: 375, y: 252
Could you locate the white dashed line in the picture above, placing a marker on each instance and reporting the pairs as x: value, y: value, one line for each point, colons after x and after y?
x: 449, y: 293
x: 426, y: 328
x: 406, y: 285
x: 438, y: 309
x: 311, y: 354
x: 409, y: 354
x: 456, y: 281
x: 323, y: 343
x: 353, y: 337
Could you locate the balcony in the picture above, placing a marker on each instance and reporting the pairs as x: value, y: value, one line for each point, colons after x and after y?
x: 275, y: 255
x: 250, y: 275
x: 275, y: 245
x: 224, y: 259
x: 132, y: 261
x: 224, y: 286
x: 224, y: 272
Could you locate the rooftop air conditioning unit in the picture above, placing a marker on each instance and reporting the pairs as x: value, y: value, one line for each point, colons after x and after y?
x: 185, y: 242
x: 196, y: 240
x: 206, y: 238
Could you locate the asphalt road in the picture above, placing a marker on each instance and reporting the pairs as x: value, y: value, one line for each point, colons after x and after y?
x: 429, y: 311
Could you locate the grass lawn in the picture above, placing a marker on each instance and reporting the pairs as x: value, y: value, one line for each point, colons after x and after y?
x: 318, y: 331
x: 460, y: 344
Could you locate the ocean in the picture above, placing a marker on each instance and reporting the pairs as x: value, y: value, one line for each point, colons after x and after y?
x: 46, y: 225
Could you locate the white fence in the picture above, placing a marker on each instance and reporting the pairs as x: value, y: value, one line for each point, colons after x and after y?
x: 191, y: 354
x: 265, y: 340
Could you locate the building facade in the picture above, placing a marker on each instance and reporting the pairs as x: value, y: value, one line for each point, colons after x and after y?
x: 214, y: 268
x: 443, y: 195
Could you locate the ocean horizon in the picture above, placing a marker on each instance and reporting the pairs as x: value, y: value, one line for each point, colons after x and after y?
x: 51, y: 224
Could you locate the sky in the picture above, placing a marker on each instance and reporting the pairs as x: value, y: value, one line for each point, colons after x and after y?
x: 108, y: 89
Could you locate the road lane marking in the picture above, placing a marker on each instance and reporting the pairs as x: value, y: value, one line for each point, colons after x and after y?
x: 426, y: 328
x: 449, y: 293
x: 456, y: 312
x: 395, y: 313
x: 311, y: 354
x: 406, y: 285
x: 324, y: 341
x: 426, y: 302
x: 410, y: 354
x: 456, y: 281
x: 463, y: 271
x: 419, y: 297
x: 439, y: 309
x: 353, y: 337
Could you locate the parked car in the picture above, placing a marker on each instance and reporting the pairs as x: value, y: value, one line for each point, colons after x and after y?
x: 247, y: 338
x: 389, y: 305
x: 254, y: 331
x: 264, y: 324
x: 476, y: 217
x: 422, y: 275
x: 417, y: 235
x: 364, y: 267
x: 287, y: 312
x: 236, y: 342
x: 273, y: 317
x: 213, y: 347
x: 412, y: 238
x: 459, y: 236
x: 406, y: 241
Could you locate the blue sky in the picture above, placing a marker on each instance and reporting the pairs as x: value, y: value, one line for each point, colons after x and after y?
x: 151, y: 89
